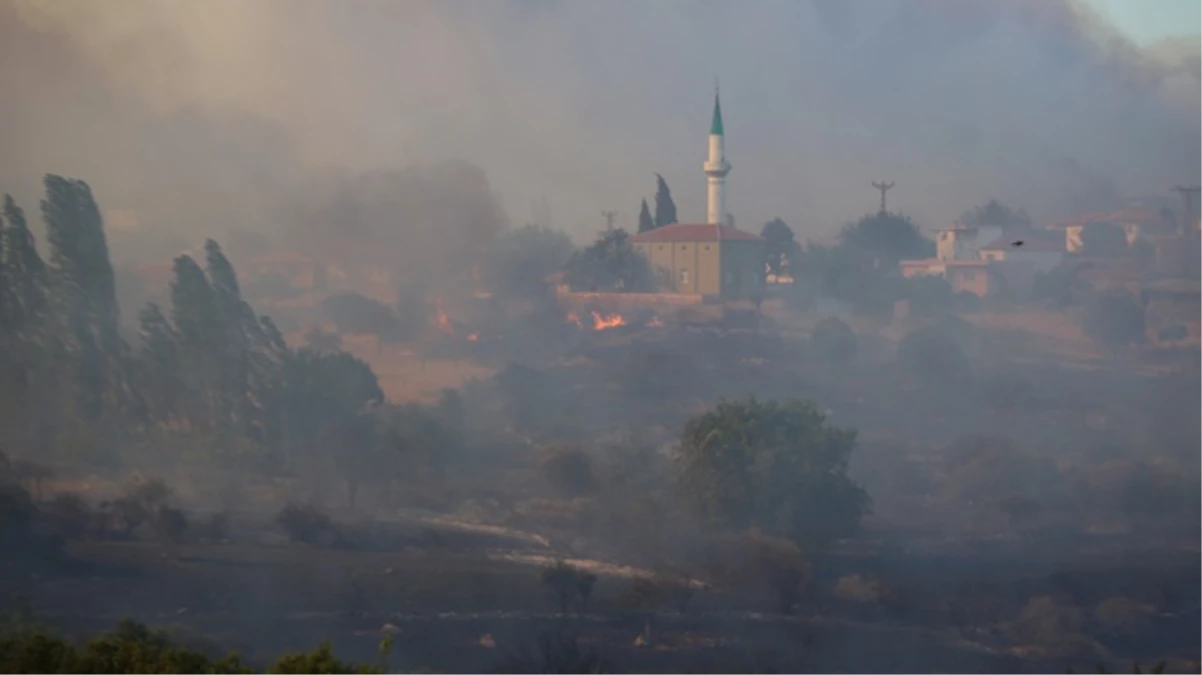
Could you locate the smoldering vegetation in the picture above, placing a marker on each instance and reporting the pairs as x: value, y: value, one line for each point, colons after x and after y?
x: 747, y: 486
x: 266, y: 393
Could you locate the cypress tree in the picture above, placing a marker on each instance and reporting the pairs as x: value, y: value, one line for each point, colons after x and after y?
x: 665, y: 208
x: 194, y: 313
x: 158, y: 364
x: 83, y: 274
x: 645, y: 221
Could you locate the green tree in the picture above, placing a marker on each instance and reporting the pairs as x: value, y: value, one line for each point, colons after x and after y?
x: 24, y: 271
x: 995, y: 213
x: 83, y: 289
x: 318, y: 389
x: 773, y: 465
x: 157, y: 364
x: 645, y: 221
x: 195, y: 316
x: 881, y: 240
x: 665, y: 208
x: 83, y: 275
x: 610, y: 264
x: 526, y: 257
x: 780, y: 244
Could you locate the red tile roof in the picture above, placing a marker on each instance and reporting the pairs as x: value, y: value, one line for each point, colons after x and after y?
x: 694, y: 232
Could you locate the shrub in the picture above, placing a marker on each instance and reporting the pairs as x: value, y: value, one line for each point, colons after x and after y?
x: 557, y: 653
x: 758, y: 564
x: 857, y: 588
x: 570, y: 472
x: 572, y: 586
x: 307, y: 524
x: 134, y: 648
x: 652, y: 593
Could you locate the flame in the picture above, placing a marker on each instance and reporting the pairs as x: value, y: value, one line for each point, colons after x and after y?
x: 655, y: 323
x: 441, y: 321
x: 473, y: 337
x: 607, y: 321
x: 573, y: 317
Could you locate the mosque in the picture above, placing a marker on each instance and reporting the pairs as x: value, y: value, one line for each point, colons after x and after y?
x: 713, y: 258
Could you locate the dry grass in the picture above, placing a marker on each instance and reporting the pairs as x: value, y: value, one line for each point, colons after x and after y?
x: 406, y: 376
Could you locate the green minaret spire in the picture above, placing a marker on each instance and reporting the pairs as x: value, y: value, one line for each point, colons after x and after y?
x: 716, y: 124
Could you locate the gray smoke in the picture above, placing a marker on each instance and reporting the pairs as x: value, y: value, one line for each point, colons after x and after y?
x: 207, y: 118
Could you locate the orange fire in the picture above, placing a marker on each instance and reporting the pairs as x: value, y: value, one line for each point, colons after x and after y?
x: 573, y: 317
x: 655, y: 323
x: 607, y: 321
x: 473, y: 337
x: 441, y: 321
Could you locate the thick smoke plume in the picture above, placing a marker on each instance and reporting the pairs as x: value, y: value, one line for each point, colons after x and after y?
x: 202, y: 118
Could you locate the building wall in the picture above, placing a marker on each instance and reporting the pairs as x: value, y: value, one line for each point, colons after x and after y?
x: 729, y: 269
x: 963, y: 244
x: 976, y: 280
x: 743, y: 269
x: 690, y: 267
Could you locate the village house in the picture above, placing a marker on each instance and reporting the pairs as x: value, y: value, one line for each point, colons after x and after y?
x: 988, y: 259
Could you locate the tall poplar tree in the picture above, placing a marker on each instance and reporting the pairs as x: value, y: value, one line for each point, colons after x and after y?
x: 83, y: 290
x: 24, y: 271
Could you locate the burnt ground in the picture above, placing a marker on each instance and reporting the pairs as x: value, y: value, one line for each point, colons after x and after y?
x: 262, y: 599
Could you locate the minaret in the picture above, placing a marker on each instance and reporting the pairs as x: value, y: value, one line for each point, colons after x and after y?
x: 716, y: 168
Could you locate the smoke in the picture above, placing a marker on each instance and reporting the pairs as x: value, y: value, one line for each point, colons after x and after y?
x: 207, y: 118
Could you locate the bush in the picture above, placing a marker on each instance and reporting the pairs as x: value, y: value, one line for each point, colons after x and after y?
x: 134, y: 648
x: 860, y: 589
x: 143, y: 512
x: 570, y: 472
x: 557, y: 653
x: 307, y: 524
x: 834, y: 340
x: 759, y: 564
x: 1051, y: 620
x: 778, y: 466
x: 572, y: 586
x: 659, y: 591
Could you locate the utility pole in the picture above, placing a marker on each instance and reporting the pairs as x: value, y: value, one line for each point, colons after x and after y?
x: 609, y: 219
x: 1188, y: 220
x: 883, y: 187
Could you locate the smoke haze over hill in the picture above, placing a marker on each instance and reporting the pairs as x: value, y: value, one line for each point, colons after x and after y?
x: 210, y: 118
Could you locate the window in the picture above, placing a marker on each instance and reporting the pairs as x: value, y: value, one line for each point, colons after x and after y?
x: 970, y: 275
x: 684, y: 277
x: 684, y: 247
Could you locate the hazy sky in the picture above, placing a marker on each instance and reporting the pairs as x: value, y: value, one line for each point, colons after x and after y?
x: 206, y: 115
x: 1146, y: 21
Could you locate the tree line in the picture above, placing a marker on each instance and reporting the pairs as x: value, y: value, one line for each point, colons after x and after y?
x: 206, y: 367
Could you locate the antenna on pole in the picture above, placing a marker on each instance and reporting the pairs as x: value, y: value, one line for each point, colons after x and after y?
x: 609, y: 219
x: 883, y: 187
